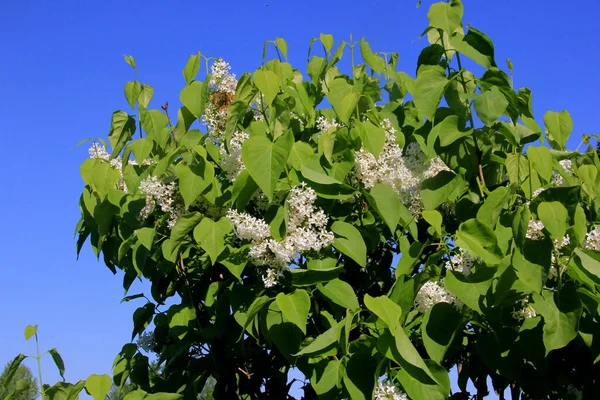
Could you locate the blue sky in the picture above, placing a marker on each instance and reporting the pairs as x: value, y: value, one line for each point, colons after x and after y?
x: 62, y: 75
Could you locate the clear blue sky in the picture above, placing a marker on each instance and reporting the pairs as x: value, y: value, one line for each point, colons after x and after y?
x: 62, y: 75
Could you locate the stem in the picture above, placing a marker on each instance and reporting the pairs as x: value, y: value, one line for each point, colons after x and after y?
x: 39, y: 364
x: 188, y: 286
x: 477, y: 150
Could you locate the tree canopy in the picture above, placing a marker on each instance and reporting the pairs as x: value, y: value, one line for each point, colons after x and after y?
x: 369, y: 228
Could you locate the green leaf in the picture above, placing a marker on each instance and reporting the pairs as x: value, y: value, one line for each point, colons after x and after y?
x: 191, y: 67
x: 181, y: 319
x: 295, y: 306
x: 164, y: 396
x: 299, y: 154
x: 493, y: 206
x: 446, y: 16
x: 210, y: 236
x: 98, y: 386
x: 560, y: 325
x: 588, y: 175
x: 444, y: 187
x: 58, y: 361
x: 282, y: 46
x: 343, y: 98
x: 359, y: 378
x: 185, y: 223
x: 376, y: 63
x: 541, y: 158
x: 193, y: 179
x: 142, y: 318
x: 146, y: 93
x: 555, y: 218
x: 327, y: 41
x: 11, y: 370
x: 122, y: 128
x: 153, y: 122
x: 341, y: 293
x: 268, y: 83
x: 330, y: 377
x: 372, y: 137
x: 590, y: 261
x: 529, y: 260
x: 429, y: 88
x: 558, y: 128
x: 386, y: 309
x: 132, y: 92
x: 434, y: 218
x: 480, y: 240
x: 440, y: 325
x: 490, y: 105
x: 349, y: 241
x: 30, y: 330
x: 387, y: 204
x: 477, y: 46
x: 194, y: 98
x: 410, y: 357
x: 129, y: 60
x: 265, y: 161
x: 448, y: 131
x: 471, y: 289
x: 321, y: 342
x: 64, y: 391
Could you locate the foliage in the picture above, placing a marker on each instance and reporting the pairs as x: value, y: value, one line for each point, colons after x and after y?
x: 17, y: 382
x: 22, y: 379
x: 371, y: 229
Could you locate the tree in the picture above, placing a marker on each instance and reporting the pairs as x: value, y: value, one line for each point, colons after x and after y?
x: 371, y: 229
x: 23, y: 385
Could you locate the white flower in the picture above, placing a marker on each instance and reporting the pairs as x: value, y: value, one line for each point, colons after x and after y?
x: 270, y: 279
x: 222, y: 90
x: 524, y: 311
x: 432, y: 293
x: 558, y: 245
x: 436, y: 165
x: 232, y: 161
x: 248, y: 227
x: 592, y: 239
x: 306, y: 230
x: 388, y: 392
x: 534, y: 230
x: 323, y: 125
x: 461, y: 262
x: 557, y: 179
x: 98, y: 151
x: 162, y: 195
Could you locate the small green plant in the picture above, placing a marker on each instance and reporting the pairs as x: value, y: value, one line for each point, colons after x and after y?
x: 97, y: 386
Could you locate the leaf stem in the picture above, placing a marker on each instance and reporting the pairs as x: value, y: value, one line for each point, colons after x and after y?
x: 39, y: 365
x: 477, y: 150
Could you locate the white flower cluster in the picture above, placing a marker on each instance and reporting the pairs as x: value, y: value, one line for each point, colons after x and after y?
x: 402, y: 172
x: 524, y: 311
x: 248, y: 227
x: 222, y: 90
x: 162, y: 195
x: 306, y: 230
x: 270, y: 279
x: 461, y: 262
x: 232, y: 161
x: 557, y: 179
x: 324, y: 125
x: 592, y: 239
x: 535, y: 230
x: 388, y: 392
x: 432, y: 293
